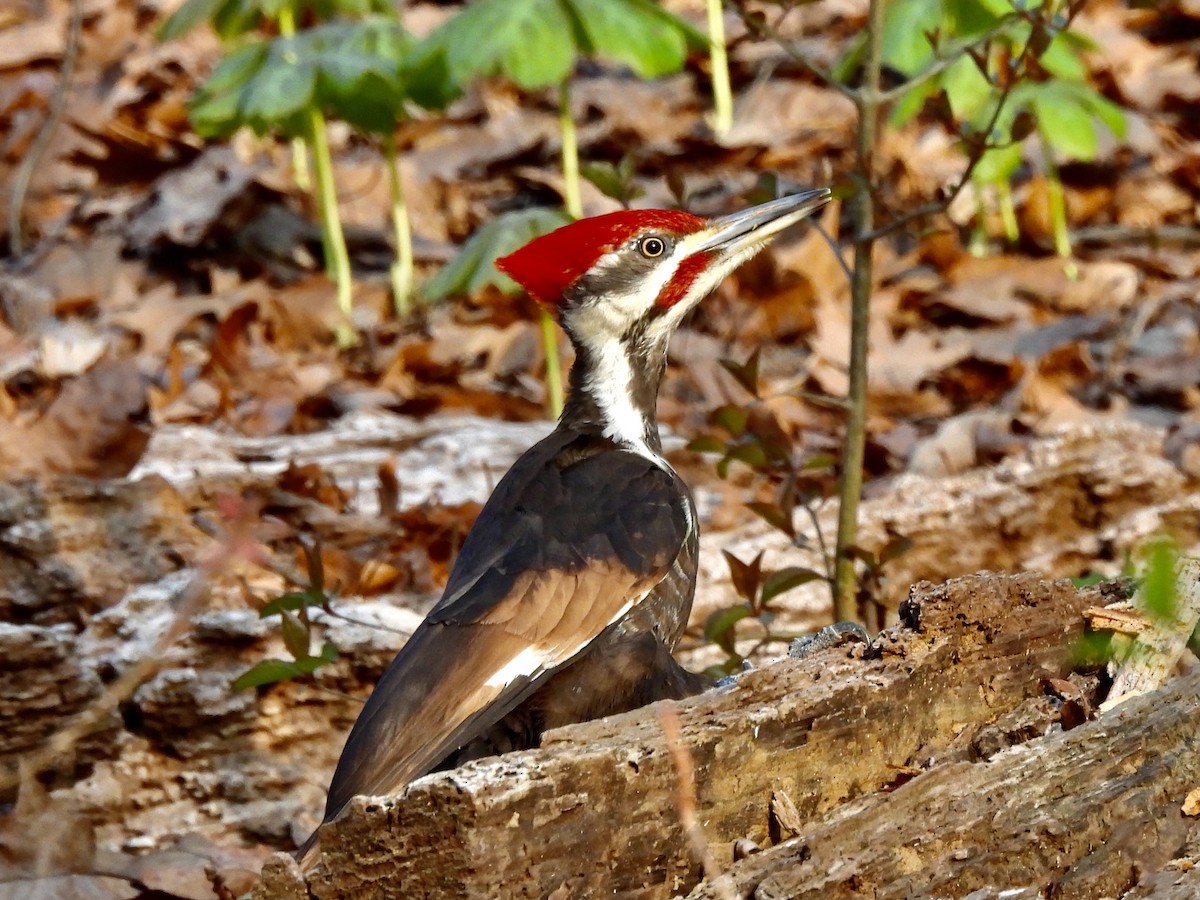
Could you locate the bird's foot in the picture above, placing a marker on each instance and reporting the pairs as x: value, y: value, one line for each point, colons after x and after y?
x: 731, y: 679
x: 830, y: 636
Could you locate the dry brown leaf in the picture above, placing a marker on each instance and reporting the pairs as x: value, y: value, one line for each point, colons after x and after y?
x: 94, y: 428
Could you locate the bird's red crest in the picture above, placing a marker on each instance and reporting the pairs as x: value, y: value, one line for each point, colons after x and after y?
x: 550, y: 264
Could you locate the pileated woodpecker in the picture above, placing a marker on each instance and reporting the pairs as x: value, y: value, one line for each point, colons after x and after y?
x: 576, y: 580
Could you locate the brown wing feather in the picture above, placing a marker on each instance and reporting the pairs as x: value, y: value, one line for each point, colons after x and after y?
x: 451, y: 679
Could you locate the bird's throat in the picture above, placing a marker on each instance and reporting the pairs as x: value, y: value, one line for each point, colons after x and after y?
x: 614, y: 392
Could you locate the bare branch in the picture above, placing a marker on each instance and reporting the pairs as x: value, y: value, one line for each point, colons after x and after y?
x: 685, y: 801
x: 946, y: 60
x: 759, y: 27
x: 977, y: 153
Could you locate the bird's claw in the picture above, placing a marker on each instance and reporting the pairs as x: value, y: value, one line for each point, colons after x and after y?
x: 830, y: 636
x: 731, y: 679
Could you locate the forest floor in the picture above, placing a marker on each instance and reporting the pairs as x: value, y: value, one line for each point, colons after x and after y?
x: 177, y: 425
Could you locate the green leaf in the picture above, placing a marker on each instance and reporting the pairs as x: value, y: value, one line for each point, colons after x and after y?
x: 732, y: 418
x: 1065, y: 123
x: 268, y: 671
x: 1108, y: 113
x: 785, y: 580
x: 746, y: 374
x: 905, y: 47
x: 1158, y: 585
x: 1062, y: 60
x: 967, y: 90
x: 309, y: 664
x: 720, y: 627
x: 775, y: 516
x: 187, y: 17
x: 864, y: 556
x: 278, y: 95
x: 706, y: 445
x: 236, y: 17
x: 614, y: 181
x: 474, y: 267
x: 637, y: 33
x: 293, y: 600
x: 536, y: 43
x: 295, y: 635
x: 215, y: 108
x: 894, y: 549
x: 998, y: 164
x: 752, y: 454
x: 819, y: 461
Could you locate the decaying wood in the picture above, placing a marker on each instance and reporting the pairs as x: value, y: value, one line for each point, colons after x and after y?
x: 1148, y: 659
x: 1074, y: 814
x: 593, y: 812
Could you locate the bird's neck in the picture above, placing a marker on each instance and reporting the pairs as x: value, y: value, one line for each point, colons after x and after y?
x: 614, y: 392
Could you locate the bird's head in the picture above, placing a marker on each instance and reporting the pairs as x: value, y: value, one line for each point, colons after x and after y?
x: 636, y: 273
x: 622, y: 283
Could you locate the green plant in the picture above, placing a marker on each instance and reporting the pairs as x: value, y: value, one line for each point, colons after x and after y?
x: 296, y: 628
x: 361, y: 70
x: 536, y: 44
x: 749, y: 435
x: 998, y: 86
x: 1000, y: 40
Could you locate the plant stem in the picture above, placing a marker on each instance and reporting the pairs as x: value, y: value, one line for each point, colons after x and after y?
x: 719, y: 60
x: 402, y: 268
x: 574, y: 205
x: 979, y: 235
x: 1008, y: 212
x: 554, y: 386
x: 1058, y: 207
x: 287, y: 28
x: 867, y: 101
x: 337, y: 258
x: 570, y: 153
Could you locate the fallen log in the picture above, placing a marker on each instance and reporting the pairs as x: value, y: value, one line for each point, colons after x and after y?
x: 593, y: 812
x: 1075, y: 814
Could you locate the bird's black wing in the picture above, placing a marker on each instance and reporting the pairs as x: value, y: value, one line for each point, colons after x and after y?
x: 569, y: 542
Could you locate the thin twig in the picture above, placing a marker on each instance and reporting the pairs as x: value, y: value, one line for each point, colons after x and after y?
x: 58, y: 103
x: 685, y: 800
x: 761, y: 28
x: 943, y: 62
x: 834, y: 248
x: 973, y: 159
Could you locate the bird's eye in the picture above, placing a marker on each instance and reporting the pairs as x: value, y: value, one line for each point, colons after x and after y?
x: 651, y: 247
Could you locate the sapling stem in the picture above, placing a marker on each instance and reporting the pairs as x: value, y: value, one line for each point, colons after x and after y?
x: 554, y: 385
x: 402, y: 267
x: 1008, y: 211
x: 287, y: 28
x: 1058, y: 210
x: 719, y: 60
x: 337, y: 258
x: 570, y: 153
x: 867, y: 101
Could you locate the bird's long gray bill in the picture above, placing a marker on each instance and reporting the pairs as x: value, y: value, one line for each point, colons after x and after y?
x: 748, y: 227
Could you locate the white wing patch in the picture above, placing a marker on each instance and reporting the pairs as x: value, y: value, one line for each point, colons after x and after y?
x: 525, y: 663
x: 532, y: 661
